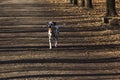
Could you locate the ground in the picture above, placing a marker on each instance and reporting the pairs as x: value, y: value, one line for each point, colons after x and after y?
x: 88, y: 50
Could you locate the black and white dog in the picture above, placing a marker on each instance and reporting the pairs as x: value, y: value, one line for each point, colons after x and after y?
x: 53, y: 33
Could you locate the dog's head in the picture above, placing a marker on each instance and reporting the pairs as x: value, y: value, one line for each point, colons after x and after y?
x: 50, y: 24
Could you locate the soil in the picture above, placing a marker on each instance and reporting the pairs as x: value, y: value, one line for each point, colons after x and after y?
x: 87, y: 49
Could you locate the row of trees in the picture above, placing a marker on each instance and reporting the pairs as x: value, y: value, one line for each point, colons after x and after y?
x: 110, y: 6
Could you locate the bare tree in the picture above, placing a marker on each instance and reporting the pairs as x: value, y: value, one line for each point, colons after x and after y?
x: 88, y: 4
x: 110, y: 8
x: 71, y: 1
x: 75, y: 2
x: 82, y: 3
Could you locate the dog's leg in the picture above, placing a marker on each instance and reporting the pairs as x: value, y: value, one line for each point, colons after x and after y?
x: 50, y: 43
x: 56, y: 37
x: 56, y: 42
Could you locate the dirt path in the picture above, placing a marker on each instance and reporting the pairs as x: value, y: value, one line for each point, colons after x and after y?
x: 23, y: 1
x: 85, y: 52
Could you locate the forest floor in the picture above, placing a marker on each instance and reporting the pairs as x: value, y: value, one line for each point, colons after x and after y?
x: 87, y: 50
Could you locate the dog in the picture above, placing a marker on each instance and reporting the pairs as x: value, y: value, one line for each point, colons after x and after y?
x: 53, y: 34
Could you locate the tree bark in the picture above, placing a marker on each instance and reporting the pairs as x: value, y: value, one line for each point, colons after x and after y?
x: 82, y: 3
x: 88, y: 4
x: 110, y: 8
x: 71, y: 1
x: 75, y: 2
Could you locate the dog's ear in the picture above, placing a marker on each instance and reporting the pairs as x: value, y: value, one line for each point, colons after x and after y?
x: 54, y: 23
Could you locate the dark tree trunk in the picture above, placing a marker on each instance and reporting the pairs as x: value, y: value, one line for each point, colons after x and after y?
x: 75, y: 2
x: 82, y: 3
x: 88, y: 4
x: 71, y: 1
x: 110, y: 8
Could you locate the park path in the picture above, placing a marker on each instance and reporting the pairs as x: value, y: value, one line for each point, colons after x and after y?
x: 86, y: 51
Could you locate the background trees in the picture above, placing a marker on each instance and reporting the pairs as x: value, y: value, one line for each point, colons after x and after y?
x: 82, y: 3
x: 110, y: 8
x: 75, y: 2
x: 88, y: 4
x: 71, y: 1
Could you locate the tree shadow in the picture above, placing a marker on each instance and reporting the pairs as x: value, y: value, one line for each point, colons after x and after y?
x: 85, y: 61
x: 61, y: 48
x: 62, y: 75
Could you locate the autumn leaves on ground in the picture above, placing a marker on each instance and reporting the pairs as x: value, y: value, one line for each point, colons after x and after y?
x: 88, y: 50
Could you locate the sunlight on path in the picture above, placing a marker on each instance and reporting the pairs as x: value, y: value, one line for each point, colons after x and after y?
x: 23, y: 1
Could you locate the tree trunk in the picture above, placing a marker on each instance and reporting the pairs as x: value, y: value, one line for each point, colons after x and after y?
x: 82, y: 3
x: 110, y: 8
x: 88, y: 4
x: 71, y: 1
x: 75, y: 2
